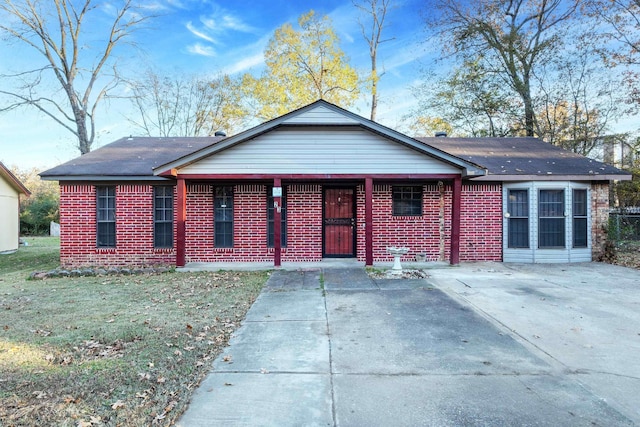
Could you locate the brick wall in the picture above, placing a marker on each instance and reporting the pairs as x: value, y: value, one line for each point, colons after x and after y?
x: 134, y: 228
x: 304, y: 222
x: 429, y: 234
x: 421, y: 234
x: 599, y: 218
x: 481, y: 223
x: 304, y: 213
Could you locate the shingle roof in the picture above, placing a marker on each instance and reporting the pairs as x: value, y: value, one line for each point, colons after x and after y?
x: 521, y: 156
x: 132, y: 156
x: 504, y: 158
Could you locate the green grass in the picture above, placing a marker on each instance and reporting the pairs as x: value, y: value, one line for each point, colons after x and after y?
x: 112, y: 350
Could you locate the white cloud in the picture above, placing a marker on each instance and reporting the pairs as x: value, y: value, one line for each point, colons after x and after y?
x: 200, y: 49
x: 193, y: 30
x: 244, y: 64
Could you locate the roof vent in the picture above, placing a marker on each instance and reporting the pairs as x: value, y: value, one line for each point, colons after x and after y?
x: 220, y: 133
x: 441, y: 134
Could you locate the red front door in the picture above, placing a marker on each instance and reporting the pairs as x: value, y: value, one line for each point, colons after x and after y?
x: 339, y: 222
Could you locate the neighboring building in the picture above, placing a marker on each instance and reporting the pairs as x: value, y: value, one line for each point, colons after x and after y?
x: 618, y: 150
x: 323, y: 182
x: 10, y: 190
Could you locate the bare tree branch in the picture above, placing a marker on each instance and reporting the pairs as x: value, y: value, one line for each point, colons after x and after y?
x: 56, y: 29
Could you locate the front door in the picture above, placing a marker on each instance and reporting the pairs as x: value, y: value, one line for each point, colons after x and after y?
x: 339, y: 222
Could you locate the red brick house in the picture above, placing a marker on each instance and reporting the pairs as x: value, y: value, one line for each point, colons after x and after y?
x: 322, y: 182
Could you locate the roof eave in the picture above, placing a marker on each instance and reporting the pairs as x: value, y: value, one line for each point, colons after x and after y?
x: 13, y: 181
x: 553, y: 177
x: 94, y: 178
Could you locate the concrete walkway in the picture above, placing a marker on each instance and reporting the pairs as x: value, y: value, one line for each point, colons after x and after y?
x: 482, y: 344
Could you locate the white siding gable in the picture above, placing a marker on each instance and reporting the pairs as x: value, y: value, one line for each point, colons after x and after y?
x: 321, y: 115
x: 313, y: 150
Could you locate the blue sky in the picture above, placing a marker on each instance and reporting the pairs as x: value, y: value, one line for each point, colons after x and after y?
x: 209, y: 37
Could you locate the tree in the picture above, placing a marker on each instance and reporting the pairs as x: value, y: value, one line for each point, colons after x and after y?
x: 620, y: 37
x: 42, y: 207
x: 472, y: 100
x: 429, y: 126
x: 377, y: 9
x: 187, y: 106
x: 577, y: 101
x: 513, y: 37
x: 58, y: 31
x: 302, y: 66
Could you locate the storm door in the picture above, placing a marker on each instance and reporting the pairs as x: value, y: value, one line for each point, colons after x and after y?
x: 339, y: 222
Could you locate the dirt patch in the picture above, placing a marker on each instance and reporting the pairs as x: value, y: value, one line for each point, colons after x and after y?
x: 406, y: 274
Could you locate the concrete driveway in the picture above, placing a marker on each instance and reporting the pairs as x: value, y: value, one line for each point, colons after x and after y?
x: 480, y: 344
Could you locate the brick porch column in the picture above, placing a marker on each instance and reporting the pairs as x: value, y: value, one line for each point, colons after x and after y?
x: 181, y: 226
x: 456, y: 203
x: 368, y: 221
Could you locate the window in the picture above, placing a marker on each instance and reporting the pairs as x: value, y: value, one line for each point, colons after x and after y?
x: 407, y: 201
x: 518, y: 208
x: 163, y: 217
x: 270, y: 216
x: 579, y: 218
x: 551, y: 233
x: 223, y: 217
x: 106, y: 216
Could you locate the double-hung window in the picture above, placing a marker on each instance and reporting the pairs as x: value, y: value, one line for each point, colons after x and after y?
x: 106, y: 216
x: 407, y: 200
x: 271, y: 216
x: 223, y: 217
x: 163, y: 217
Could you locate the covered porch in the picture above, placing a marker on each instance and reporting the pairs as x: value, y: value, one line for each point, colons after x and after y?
x: 298, y: 219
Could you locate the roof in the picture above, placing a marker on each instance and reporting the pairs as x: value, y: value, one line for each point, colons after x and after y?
x: 304, y: 117
x: 525, y: 158
x: 488, y: 159
x: 13, y: 181
x: 131, y: 157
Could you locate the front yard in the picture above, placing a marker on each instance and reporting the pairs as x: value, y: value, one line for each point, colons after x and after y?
x: 109, y: 350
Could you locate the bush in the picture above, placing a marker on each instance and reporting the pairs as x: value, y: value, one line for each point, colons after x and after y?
x: 37, y: 212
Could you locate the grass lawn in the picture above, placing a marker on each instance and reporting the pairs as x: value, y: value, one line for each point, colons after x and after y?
x: 110, y: 350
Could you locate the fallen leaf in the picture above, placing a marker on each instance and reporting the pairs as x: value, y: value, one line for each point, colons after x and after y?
x: 161, y: 380
x: 227, y: 358
x: 118, y: 404
x: 39, y: 394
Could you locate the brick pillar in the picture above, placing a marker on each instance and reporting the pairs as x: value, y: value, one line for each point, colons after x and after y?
x: 456, y: 204
x: 181, y: 220
x: 368, y: 221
